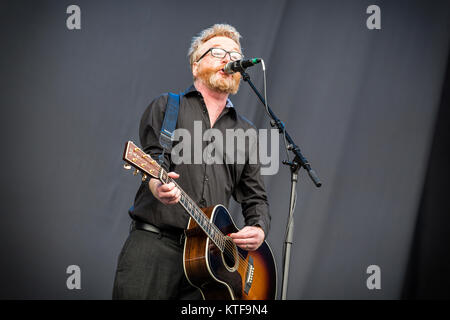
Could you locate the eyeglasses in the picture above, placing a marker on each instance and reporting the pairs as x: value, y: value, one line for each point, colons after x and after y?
x: 221, y: 53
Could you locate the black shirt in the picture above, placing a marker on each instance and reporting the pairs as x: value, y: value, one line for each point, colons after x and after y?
x: 207, y: 184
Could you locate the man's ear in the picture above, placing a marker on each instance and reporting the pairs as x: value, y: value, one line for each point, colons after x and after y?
x: 195, y: 69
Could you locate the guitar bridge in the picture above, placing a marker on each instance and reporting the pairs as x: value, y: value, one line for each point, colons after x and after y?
x: 249, y: 275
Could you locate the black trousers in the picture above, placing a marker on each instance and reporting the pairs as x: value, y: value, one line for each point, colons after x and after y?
x: 150, y: 266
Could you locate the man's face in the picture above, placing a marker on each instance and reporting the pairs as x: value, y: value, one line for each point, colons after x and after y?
x: 209, y: 69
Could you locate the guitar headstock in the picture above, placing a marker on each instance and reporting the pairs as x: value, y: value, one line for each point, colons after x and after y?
x: 135, y: 157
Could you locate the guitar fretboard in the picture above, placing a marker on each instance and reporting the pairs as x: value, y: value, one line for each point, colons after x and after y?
x: 197, y: 214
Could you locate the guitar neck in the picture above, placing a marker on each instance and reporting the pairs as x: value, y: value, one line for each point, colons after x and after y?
x: 196, y: 213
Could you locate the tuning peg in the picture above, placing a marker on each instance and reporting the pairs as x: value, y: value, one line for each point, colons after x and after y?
x: 126, y: 166
x: 136, y: 171
x: 144, y: 177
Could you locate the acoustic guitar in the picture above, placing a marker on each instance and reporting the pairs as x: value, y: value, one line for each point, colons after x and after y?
x: 212, y: 262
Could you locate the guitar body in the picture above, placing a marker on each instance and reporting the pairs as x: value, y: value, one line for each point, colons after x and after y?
x: 234, y: 274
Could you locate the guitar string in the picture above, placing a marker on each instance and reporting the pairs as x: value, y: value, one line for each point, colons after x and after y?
x: 203, y: 216
x: 242, y: 261
x: 228, y: 249
x: 231, y: 248
x: 223, y: 242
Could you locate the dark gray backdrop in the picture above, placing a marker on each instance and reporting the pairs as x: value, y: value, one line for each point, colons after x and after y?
x: 360, y: 103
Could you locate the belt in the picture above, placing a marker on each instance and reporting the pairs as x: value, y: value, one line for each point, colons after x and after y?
x: 176, y: 236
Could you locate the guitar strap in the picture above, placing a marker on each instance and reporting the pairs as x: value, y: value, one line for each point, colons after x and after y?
x: 167, y: 130
x: 169, y: 124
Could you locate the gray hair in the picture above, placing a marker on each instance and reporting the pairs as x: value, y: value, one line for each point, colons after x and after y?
x: 217, y: 30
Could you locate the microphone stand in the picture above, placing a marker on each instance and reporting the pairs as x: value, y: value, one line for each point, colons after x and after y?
x: 295, y: 165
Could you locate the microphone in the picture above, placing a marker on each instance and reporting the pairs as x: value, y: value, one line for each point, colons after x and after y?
x: 240, y: 65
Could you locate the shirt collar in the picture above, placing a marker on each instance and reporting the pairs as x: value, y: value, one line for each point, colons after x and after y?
x: 229, y: 104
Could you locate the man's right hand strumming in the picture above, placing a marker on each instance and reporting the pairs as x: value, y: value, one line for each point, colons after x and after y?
x: 166, y: 193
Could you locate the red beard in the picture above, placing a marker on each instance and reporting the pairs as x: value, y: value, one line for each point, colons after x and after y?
x: 216, y: 81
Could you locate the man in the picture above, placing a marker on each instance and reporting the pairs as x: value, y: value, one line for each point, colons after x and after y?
x: 150, y: 264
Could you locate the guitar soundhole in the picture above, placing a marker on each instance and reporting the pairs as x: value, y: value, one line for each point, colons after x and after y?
x: 230, y: 255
